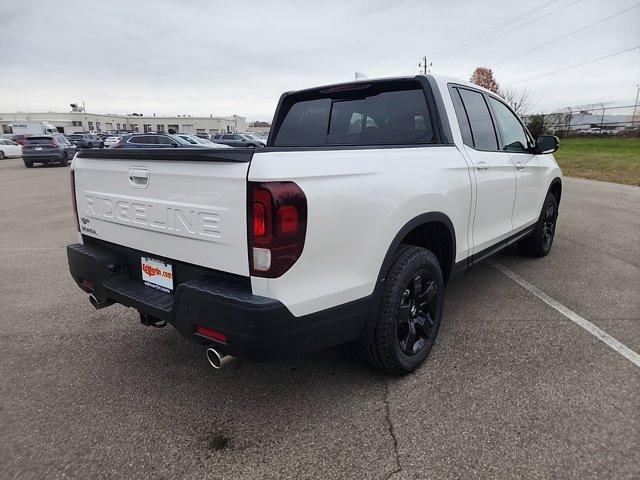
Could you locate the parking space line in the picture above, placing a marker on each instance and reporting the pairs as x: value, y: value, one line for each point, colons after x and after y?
x: 571, y: 315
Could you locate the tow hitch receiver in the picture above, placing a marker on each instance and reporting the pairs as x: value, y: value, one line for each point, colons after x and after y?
x: 150, y: 321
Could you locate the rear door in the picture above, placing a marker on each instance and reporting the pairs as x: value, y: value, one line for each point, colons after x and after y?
x: 493, y: 170
x: 162, y: 203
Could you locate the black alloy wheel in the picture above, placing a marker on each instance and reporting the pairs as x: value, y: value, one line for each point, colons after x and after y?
x: 539, y: 242
x: 549, y: 226
x: 416, y: 314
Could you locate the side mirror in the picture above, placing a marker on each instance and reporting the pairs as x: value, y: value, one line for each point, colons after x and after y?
x: 547, y: 144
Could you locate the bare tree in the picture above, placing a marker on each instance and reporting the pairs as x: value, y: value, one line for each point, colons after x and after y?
x: 519, y: 100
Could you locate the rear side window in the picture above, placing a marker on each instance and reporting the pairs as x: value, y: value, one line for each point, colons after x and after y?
x: 375, y: 114
x: 143, y: 139
x: 463, y: 120
x: 482, y: 129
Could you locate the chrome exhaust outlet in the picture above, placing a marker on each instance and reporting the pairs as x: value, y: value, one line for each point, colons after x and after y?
x: 217, y: 359
x: 97, y: 303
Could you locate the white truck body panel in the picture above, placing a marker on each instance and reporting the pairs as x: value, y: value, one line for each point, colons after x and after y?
x: 32, y: 128
x: 358, y: 200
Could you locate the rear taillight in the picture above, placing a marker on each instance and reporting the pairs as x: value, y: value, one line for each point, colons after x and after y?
x: 118, y: 144
x: 74, y: 203
x: 277, y: 221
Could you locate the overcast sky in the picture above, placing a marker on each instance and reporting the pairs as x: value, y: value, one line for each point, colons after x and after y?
x: 203, y: 57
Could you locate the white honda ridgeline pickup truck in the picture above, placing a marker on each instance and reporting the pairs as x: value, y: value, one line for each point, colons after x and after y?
x: 368, y: 197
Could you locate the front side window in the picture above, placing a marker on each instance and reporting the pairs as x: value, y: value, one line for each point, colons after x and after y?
x: 514, y: 138
x: 375, y: 114
x: 482, y: 129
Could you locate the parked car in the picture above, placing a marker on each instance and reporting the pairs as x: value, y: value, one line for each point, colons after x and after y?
x: 9, y: 149
x: 153, y: 140
x: 236, y: 140
x: 253, y: 138
x: 206, y: 136
x: 112, y: 141
x: 18, y: 138
x: 195, y: 140
x: 46, y: 149
x: 369, y: 198
x: 86, y: 140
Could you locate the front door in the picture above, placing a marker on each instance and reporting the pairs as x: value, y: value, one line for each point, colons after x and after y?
x: 530, y: 170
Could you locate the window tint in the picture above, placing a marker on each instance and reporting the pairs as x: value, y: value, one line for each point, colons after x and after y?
x: 142, y: 139
x: 39, y: 140
x: 514, y: 139
x: 162, y: 140
x: 379, y: 114
x: 397, y: 117
x: 484, y: 134
x: 305, y: 124
x: 463, y: 121
x: 227, y: 137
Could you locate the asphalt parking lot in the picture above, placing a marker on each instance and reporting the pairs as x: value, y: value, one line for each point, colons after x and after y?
x: 512, y: 389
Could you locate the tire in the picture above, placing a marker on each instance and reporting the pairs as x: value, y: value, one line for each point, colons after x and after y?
x: 2, y: 157
x: 408, y: 320
x: 65, y: 160
x: 540, y: 241
x: 28, y: 163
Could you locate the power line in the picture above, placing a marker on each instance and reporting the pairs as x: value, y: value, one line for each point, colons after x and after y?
x: 566, y: 35
x: 491, y: 30
x: 576, y: 65
x: 474, y: 45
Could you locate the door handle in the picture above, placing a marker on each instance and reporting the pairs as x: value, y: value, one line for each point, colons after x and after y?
x: 519, y: 166
x: 482, y: 166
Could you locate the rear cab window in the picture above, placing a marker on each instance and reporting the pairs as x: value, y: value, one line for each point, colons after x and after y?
x: 358, y: 114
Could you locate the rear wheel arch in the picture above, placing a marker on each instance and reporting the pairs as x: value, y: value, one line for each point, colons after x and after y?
x: 433, y: 231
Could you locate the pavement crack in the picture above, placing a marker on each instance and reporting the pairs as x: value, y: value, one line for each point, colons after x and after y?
x: 391, y: 429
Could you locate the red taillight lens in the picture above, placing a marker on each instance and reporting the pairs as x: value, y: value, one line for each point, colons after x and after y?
x: 287, y: 219
x: 73, y: 198
x: 119, y: 144
x: 277, y: 227
x: 259, y: 220
x: 261, y: 213
x: 212, y: 334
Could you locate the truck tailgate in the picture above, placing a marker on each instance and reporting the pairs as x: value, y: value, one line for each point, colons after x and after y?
x: 178, y: 205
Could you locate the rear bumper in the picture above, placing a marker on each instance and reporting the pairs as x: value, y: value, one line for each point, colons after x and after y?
x: 257, y: 328
x: 42, y: 157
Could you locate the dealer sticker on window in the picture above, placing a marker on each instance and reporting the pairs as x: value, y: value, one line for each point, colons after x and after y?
x: 157, y: 274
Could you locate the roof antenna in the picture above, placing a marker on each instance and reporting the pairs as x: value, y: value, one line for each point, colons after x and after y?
x: 360, y: 75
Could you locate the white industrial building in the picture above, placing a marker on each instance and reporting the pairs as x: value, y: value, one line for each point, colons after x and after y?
x: 79, y: 121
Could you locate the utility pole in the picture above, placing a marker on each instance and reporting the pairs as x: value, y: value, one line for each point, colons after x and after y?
x: 424, y: 66
x: 635, y: 106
